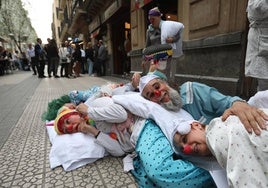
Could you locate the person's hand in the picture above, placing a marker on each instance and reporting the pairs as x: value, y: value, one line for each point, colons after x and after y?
x: 251, y: 117
x: 135, y: 80
x: 169, y: 40
x: 153, y: 67
x: 82, y: 108
x: 85, y: 128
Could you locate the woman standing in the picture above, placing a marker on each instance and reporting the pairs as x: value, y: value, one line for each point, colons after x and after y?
x: 90, y: 57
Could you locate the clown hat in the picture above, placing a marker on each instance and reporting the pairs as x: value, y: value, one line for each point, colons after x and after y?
x: 154, y: 12
x: 63, y: 113
x: 144, y: 80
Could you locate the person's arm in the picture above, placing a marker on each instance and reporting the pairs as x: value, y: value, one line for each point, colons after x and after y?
x: 133, y: 85
x: 172, y: 30
x: 112, y: 113
x: 111, y: 145
x: 148, y: 41
x: 251, y: 117
x: 201, y: 100
x: 175, y: 38
x: 214, y: 103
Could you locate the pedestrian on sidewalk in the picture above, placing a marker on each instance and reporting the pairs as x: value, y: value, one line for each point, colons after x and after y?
x: 33, y: 59
x: 53, y: 58
x: 90, y: 58
x: 40, y: 57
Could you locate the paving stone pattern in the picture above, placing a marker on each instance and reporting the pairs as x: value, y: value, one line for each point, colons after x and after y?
x: 25, y: 147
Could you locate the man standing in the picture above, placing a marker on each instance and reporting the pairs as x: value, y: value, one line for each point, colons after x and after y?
x: 53, y: 58
x: 40, y: 57
x: 83, y: 60
x: 46, y: 49
x: 102, y: 57
x: 165, y: 32
x: 31, y: 55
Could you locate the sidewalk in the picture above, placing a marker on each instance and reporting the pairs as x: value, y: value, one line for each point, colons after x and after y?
x: 25, y: 146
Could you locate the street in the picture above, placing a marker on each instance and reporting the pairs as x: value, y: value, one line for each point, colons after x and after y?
x: 24, y: 142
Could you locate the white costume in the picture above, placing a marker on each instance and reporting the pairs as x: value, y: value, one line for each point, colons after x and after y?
x: 243, y: 155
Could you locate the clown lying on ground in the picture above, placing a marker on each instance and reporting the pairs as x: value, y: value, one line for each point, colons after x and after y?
x: 228, y: 141
x: 118, y: 131
x: 243, y: 155
x: 149, y: 174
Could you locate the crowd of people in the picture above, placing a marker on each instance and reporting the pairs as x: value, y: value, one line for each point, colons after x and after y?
x: 12, y: 61
x: 190, y: 136
x: 69, y: 60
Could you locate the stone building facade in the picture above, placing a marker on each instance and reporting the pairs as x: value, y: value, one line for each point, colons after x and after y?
x: 214, y: 38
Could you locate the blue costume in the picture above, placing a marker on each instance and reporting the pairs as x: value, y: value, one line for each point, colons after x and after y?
x: 155, y: 165
x: 203, y: 102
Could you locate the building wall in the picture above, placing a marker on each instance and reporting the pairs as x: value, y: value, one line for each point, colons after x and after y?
x: 205, y: 18
x: 214, y: 43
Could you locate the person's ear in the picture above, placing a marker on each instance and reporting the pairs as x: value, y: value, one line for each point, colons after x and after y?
x: 196, y: 125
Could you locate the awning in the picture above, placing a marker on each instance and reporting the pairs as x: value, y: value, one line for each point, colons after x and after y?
x: 95, y: 33
x: 140, y: 3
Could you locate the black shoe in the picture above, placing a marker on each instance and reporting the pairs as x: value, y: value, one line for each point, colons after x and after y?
x: 34, y: 73
x: 49, y: 76
x: 56, y: 76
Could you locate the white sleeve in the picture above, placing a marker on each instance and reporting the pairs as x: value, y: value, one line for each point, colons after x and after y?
x: 135, y: 103
x: 166, y: 120
x: 113, y: 113
x: 111, y: 146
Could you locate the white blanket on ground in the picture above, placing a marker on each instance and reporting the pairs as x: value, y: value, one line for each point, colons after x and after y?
x: 72, y: 151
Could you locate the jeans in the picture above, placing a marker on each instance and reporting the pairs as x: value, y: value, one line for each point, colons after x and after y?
x: 90, y: 66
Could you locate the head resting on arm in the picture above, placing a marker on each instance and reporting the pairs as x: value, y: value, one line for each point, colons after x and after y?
x: 156, y: 90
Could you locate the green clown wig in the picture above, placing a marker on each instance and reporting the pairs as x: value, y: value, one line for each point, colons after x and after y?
x: 54, y: 106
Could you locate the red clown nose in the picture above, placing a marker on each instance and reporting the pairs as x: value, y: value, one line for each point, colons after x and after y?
x: 157, y: 93
x: 187, y: 150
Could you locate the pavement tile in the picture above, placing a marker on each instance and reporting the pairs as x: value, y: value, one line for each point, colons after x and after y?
x: 24, y: 155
